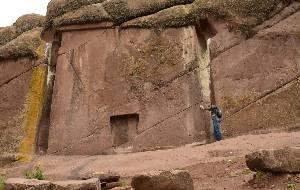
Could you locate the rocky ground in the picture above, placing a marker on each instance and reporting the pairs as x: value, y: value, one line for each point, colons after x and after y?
x: 219, y: 165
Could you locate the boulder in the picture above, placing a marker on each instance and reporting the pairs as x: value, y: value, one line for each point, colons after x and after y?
x: 107, y: 178
x: 90, y: 184
x: 284, y: 160
x: 25, y: 184
x: 163, y: 180
x: 103, y: 177
x: 111, y: 185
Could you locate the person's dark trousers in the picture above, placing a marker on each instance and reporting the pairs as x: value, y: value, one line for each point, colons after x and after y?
x: 217, y: 129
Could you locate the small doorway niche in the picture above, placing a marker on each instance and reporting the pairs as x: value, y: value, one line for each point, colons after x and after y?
x: 124, y: 128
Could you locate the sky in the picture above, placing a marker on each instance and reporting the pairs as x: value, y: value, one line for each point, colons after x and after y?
x: 10, y: 10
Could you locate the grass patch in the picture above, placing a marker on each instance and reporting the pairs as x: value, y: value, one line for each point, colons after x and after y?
x: 246, y: 171
x: 2, y: 183
x: 259, y: 176
x: 35, y: 173
x: 291, y: 185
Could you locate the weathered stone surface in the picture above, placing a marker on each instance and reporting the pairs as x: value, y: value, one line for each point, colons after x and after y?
x: 147, y: 79
x: 28, y: 44
x: 256, y: 82
x: 111, y: 185
x: 90, y: 184
x: 12, y: 106
x: 32, y: 184
x: 22, y: 24
x: 87, y: 14
x: 21, y: 101
x: 163, y: 180
x: 103, y: 177
x: 28, y: 22
x: 123, y: 10
x: 107, y: 178
x: 27, y: 184
x: 157, y: 13
x: 6, y: 159
x: 123, y: 188
x: 285, y: 160
x: 10, y: 69
x: 59, y: 7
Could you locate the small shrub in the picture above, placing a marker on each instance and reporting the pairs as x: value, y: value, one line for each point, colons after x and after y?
x: 36, y: 173
x: 2, y: 183
x: 260, y: 175
x: 291, y: 185
x: 246, y: 171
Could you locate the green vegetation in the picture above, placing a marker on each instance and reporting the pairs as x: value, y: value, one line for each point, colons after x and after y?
x: 2, y: 183
x: 246, y: 171
x: 291, y: 185
x: 35, y: 173
x: 260, y: 175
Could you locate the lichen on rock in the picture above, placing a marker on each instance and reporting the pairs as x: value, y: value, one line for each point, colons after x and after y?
x: 124, y: 10
x: 34, y: 105
x: 158, y: 13
x: 59, y: 7
x: 88, y: 14
x: 246, y: 13
x: 24, y: 23
x: 28, y: 22
x: 26, y: 45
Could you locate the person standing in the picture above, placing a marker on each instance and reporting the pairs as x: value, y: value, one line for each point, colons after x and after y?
x: 216, y: 115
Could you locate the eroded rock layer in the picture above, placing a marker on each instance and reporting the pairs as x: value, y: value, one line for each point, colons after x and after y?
x: 22, y: 85
x: 157, y: 13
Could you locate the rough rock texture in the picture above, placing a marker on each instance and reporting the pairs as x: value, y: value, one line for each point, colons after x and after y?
x: 6, y: 159
x: 27, y: 184
x: 22, y: 24
x: 103, y: 177
x: 21, y: 100
x: 22, y: 83
x: 135, y: 94
x: 163, y: 180
x: 157, y: 13
x: 32, y: 184
x: 123, y: 188
x: 28, y: 44
x: 285, y: 160
x: 257, y: 81
x: 22, y: 39
x: 87, y: 14
x: 28, y: 22
x: 59, y: 7
x: 90, y: 184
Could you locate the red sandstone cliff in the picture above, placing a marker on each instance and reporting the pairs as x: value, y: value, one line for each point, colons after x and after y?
x: 147, y: 65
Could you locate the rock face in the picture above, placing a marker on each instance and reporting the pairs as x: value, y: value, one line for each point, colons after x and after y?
x: 163, y: 180
x: 131, y: 74
x: 257, y: 81
x: 22, y: 84
x: 130, y: 88
x: 285, y: 160
x: 156, y: 13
